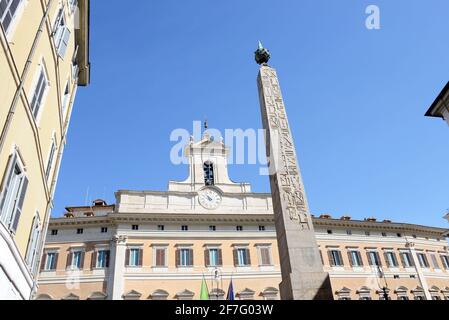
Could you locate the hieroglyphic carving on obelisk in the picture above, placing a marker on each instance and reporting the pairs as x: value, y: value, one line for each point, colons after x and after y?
x: 303, y: 277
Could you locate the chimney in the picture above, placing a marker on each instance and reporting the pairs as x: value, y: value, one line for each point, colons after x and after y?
x: 346, y: 218
x: 325, y: 216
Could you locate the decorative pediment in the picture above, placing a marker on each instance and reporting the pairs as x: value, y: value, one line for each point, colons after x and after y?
x: 185, y: 295
x: 401, y: 289
x: 344, y: 290
x: 159, y: 294
x: 132, y: 295
x: 97, y: 296
x: 71, y: 296
x: 270, y: 291
x: 246, y: 294
x: 44, y: 296
x: 363, y: 289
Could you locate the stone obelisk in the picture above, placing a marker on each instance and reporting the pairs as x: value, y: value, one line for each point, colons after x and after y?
x: 303, y: 277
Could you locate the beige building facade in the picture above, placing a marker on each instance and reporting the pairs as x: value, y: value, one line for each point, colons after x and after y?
x: 44, y: 58
x: 159, y: 245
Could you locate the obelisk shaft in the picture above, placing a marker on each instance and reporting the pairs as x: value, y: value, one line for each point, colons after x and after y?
x: 303, y: 277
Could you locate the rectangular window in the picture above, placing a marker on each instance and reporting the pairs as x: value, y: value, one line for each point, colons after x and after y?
x: 73, y: 4
x: 104, y: 230
x: 8, y: 10
x: 239, y: 228
x: 33, y: 243
x: 265, y: 256
x: 77, y: 259
x: 212, y: 228
x: 185, y: 257
x: 242, y: 257
x: 161, y: 227
x: 261, y: 228
x: 423, y: 260
x: 135, y: 227
x: 54, y: 232
x: 213, y: 257
x: 374, y: 259
x: 329, y: 231
x: 445, y: 261
x: 384, y: 234
x: 102, y: 259
x: 406, y: 260
x: 355, y: 258
x: 185, y: 228
x: 50, y: 261
x: 434, y: 261
x: 335, y: 258
x: 367, y: 233
x: 65, y: 98
x: 61, y: 34
x: 135, y: 259
x: 15, y: 185
x: 160, y: 256
x: 349, y: 232
x: 38, y: 93
x: 79, y: 231
x: 391, y: 259
x: 50, y: 158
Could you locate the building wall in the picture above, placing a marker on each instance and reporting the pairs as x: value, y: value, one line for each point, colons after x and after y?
x: 147, y: 279
x: 32, y: 138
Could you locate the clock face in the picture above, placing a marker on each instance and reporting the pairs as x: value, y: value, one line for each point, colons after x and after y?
x: 209, y: 199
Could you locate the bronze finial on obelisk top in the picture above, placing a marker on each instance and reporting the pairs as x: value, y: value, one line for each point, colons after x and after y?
x: 303, y: 277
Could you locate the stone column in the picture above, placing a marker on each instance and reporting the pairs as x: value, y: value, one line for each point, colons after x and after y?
x: 117, y: 268
x: 421, y: 278
x: 303, y: 277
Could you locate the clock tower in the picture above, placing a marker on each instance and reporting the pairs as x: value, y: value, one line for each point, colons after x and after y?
x: 208, y: 173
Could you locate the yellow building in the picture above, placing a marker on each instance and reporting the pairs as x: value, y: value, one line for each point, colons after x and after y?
x: 159, y: 245
x: 44, y: 58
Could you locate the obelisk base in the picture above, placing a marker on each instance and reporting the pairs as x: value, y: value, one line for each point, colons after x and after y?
x: 315, y: 287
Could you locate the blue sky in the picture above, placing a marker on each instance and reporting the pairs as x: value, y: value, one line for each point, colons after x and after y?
x: 355, y: 97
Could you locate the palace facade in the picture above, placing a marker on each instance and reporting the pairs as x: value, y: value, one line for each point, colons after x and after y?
x: 159, y: 245
x: 44, y: 57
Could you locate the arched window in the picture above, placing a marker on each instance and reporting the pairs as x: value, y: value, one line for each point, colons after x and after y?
x: 208, y: 173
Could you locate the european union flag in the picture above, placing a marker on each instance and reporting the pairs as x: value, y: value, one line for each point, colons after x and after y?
x: 230, y: 295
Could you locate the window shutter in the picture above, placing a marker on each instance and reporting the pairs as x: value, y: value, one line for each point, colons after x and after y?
x: 370, y: 261
x: 177, y: 256
x: 340, y: 258
x: 162, y: 257
x: 206, y: 258
x: 331, y: 258
x: 6, y: 181
x: 43, y: 260
x: 395, y: 259
x: 69, y: 260
x: 190, y: 257
x: 378, y: 259
x: 248, y: 261
x: 412, y: 262
x: 386, y: 259
x: 220, y: 257
x: 236, y: 259
x: 55, y: 262
x: 108, y: 254
x: 93, y: 259
x: 351, y: 263
x: 401, y: 256
x: 64, y: 42
x: 140, y: 257
x: 18, y: 209
x: 127, y: 258
x: 360, y: 258
x: 82, y: 260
